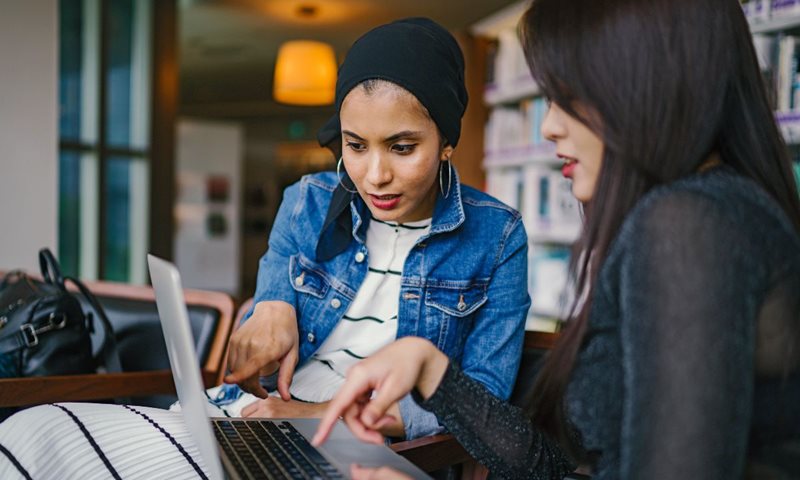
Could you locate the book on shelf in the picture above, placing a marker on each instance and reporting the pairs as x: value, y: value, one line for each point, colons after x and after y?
x: 787, y: 86
x: 776, y: 8
x: 510, y: 64
x: 548, y: 270
x: 779, y: 61
x: 549, y: 210
x: 508, y: 77
x: 515, y: 126
x: 505, y: 184
x: 761, y: 11
x: 758, y: 10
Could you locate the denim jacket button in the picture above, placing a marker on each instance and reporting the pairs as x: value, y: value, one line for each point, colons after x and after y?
x: 310, y: 337
x: 299, y: 281
x: 360, y: 257
x: 461, y: 306
x: 335, y: 303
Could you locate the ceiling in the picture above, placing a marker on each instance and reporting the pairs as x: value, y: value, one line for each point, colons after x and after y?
x: 228, y: 47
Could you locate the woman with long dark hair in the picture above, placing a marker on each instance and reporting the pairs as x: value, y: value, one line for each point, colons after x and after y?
x: 682, y: 352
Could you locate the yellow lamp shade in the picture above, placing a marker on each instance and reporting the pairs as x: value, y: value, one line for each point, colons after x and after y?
x: 305, y: 73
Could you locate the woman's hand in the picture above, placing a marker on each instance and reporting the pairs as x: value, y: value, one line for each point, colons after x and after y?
x: 390, y: 374
x: 266, y: 342
x: 383, y: 473
x: 273, y: 407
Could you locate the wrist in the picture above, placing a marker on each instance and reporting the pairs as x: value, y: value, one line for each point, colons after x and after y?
x: 434, y: 366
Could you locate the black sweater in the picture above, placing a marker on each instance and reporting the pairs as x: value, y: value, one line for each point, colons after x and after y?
x: 689, y: 368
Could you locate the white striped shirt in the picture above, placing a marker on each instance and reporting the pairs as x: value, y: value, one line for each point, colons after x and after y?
x: 97, y: 441
x: 371, y: 321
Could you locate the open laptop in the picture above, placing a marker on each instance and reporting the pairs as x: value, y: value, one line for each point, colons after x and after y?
x: 246, y: 447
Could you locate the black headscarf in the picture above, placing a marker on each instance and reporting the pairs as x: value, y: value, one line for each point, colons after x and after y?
x: 417, y: 54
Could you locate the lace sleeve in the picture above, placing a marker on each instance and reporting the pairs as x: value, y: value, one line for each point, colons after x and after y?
x: 500, y: 436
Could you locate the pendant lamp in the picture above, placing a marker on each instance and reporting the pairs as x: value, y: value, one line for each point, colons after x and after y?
x: 305, y: 73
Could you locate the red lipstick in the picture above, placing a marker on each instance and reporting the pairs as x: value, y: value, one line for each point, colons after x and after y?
x: 384, y: 202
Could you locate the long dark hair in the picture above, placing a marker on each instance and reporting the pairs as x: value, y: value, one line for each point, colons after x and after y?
x: 667, y: 82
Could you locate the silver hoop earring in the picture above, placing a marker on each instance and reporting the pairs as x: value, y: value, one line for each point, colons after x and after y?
x: 339, y: 175
x: 445, y: 193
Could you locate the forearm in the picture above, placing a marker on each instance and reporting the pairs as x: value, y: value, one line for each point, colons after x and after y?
x: 476, y: 418
x: 433, y: 369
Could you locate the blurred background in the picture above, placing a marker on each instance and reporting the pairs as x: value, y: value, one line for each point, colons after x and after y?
x: 135, y: 126
x: 173, y: 126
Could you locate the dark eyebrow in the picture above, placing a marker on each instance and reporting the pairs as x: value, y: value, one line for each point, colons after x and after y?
x: 401, y: 135
x: 351, y: 134
x: 390, y: 138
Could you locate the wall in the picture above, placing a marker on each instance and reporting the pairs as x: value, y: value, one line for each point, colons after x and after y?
x: 28, y: 131
x: 273, y: 160
x: 207, y: 230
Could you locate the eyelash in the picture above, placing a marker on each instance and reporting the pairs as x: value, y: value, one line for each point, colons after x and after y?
x: 404, y: 148
x: 355, y: 146
x: 399, y: 148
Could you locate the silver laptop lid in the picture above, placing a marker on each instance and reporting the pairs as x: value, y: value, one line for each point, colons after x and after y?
x: 183, y: 359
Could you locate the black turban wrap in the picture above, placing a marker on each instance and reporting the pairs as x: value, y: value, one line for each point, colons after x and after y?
x: 417, y: 54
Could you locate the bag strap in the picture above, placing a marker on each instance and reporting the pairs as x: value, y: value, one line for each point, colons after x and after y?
x: 108, y: 350
x: 51, y: 271
x: 25, y: 337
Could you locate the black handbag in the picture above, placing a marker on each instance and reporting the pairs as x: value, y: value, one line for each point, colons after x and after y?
x: 44, y: 330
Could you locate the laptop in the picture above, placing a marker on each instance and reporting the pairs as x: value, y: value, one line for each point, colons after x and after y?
x: 246, y: 447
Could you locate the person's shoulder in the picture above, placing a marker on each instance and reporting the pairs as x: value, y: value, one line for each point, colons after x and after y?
x: 474, y: 199
x: 323, y: 181
x: 722, y: 193
x: 312, y: 191
x: 667, y: 207
x: 722, y: 202
x: 313, y: 186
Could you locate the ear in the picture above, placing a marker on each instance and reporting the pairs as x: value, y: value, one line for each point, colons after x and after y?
x: 447, y: 152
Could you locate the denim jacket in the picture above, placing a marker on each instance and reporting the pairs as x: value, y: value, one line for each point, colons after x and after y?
x: 464, y: 285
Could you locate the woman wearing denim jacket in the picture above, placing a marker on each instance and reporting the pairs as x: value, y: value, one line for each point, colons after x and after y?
x: 463, y: 260
x: 463, y: 280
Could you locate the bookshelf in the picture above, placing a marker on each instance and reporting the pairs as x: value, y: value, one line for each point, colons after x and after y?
x: 771, y: 16
x: 775, y: 25
x: 521, y: 167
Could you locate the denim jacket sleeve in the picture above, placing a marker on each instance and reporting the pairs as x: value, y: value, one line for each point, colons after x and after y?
x: 493, y: 348
x: 417, y: 421
x: 275, y: 263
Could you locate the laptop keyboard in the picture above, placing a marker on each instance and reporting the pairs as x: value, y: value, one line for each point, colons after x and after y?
x: 270, y: 449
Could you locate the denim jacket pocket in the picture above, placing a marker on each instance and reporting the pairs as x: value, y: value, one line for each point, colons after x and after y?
x: 449, y: 309
x: 307, y: 277
x: 456, y: 301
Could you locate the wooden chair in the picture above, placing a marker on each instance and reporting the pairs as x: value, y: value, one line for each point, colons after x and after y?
x: 146, y: 375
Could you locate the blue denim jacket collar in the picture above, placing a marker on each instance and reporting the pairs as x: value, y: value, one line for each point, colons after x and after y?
x: 448, y: 213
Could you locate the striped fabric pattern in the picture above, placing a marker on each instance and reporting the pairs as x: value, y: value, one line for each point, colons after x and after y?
x: 97, y: 441
x: 371, y: 321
